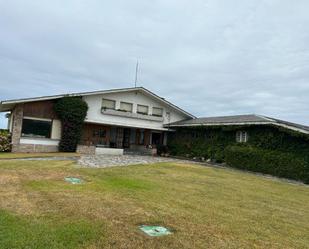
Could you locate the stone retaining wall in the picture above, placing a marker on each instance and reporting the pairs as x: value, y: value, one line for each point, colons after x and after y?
x: 84, y: 149
x: 34, y: 148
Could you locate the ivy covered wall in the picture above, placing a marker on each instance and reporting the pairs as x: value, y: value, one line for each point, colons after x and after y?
x: 210, y: 142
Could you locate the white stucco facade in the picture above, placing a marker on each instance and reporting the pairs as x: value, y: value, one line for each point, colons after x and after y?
x: 128, y: 119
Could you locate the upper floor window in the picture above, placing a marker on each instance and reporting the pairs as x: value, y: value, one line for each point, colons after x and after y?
x: 241, y: 136
x: 109, y: 104
x: 142, y: 109
x: 36, y: 128
x: 126, y: 107
x: 156, y: 111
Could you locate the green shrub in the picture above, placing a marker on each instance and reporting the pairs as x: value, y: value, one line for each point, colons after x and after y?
x: 161, y: 149
x: 178, y: 149
x: 197, y: 149
x: 5, y: 141
x: 72, y: 112
x: 276, y: 163
x: 200, y: 142
x: 210, y: 142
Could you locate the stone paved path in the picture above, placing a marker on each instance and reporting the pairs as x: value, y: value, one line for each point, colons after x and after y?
x: 103, y: 161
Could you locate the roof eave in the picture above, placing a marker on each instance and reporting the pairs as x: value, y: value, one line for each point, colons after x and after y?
x: 218, y: 124
x: 168, y: 103
x: 242, y: 123
x: 25, y: 100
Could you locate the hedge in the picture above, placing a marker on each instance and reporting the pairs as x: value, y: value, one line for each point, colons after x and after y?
x: 276, y: 163
x: 5, y: 141
x: 210, y: 142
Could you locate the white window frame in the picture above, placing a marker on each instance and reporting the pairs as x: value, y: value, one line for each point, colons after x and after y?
x: 109, y: 108
x: 143, y: 113
x: 127, y: 103
x: 158, y: 108
x: 241, y: 136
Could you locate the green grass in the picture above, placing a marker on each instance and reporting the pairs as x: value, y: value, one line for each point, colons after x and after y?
x: 205, y: 207
x: 31, y: 232
x: 10, y: 155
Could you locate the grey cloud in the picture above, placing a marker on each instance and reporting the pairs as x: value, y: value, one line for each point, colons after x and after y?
x: 214, y: 57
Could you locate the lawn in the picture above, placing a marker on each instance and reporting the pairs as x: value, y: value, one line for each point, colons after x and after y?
x: 10, y: 155
x: 205, y: 207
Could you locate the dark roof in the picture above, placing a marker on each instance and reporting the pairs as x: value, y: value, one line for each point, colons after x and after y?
x: 279, y: 121
x: 222, y: 119
x: 250, y: 119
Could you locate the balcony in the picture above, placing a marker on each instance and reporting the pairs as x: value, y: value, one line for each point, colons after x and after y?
x: 131, y: 115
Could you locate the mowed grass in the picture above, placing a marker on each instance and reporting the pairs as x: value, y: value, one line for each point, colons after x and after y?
x: 205, y: 207
x: 10, y: 155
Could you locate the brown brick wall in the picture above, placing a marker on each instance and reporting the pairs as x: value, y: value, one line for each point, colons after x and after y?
x: 18, y: 113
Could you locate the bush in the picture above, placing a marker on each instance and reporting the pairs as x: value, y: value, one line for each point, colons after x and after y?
x: 5, y: 141
x: 210, y: 142
x: 161, y: 149
x: 276, y: 163
x: 72, y: 112
x: 197, y: 149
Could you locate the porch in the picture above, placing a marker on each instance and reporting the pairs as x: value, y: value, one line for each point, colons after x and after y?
x: 116, y: 140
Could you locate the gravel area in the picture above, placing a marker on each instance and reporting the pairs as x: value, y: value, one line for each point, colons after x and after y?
x: 104, y: 161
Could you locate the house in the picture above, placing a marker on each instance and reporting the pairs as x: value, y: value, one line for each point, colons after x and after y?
x: 239, y: 120
x: 136, y: 119
x: 208, y: 137
x: 250, y: 142
x: 117, y: 119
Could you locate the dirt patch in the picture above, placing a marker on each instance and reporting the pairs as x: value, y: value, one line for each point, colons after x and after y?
x: 12, y: 195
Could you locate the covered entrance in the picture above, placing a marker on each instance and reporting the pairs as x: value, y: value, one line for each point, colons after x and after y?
x: 156, y: 138
x: 130, y: 139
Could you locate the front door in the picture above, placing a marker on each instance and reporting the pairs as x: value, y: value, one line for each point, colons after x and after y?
x: 126, y: 138
x: 156, y: 138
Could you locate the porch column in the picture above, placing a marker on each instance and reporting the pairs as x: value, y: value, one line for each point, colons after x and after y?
x: 164, y: 138
x: 147, y: 137
x: 119, y: 137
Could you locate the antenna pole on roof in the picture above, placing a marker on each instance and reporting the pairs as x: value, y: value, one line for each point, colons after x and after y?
x: 136, y: 72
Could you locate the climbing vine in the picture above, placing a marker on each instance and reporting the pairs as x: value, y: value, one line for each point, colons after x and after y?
x: 72, y: 112
x: 210, y: 142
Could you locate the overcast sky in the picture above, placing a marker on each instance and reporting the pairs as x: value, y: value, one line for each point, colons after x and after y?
x: 212, y: 58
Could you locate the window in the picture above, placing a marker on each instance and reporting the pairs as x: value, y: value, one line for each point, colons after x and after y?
x: 142, y: 109
x: 99, y: 133
x: 36, y: 128
x: 241, y: 136
x: 156, y: 111
x: 108, y: 104
x: 126, y: 107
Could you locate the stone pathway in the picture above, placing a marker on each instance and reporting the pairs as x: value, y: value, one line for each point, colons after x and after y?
x: 104, y: 161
